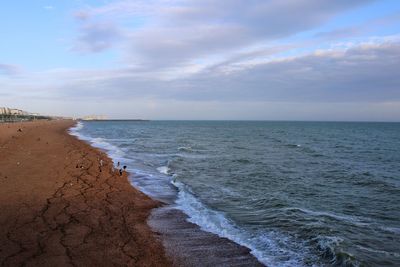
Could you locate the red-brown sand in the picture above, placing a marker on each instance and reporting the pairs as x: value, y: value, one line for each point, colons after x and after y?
x: 60, y: 207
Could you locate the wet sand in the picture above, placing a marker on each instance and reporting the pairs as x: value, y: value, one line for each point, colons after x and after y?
x: 187, y: 245
x: 60, y: 207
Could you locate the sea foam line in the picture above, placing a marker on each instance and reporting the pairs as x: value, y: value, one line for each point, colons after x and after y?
x: 264, y: 246
x: 115, y: 153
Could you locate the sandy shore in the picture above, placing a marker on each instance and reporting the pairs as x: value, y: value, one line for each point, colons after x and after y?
x: 60, y: 207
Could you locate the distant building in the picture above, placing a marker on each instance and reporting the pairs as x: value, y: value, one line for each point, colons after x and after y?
x: 13, y: 114
x: 94, y: 118
x: 12, y: 111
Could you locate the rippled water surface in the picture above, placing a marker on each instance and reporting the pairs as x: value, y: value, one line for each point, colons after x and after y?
x: 295, y: 193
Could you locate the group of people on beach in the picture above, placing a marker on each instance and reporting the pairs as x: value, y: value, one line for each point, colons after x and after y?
x: 120, y: 170
x: 101, y: 163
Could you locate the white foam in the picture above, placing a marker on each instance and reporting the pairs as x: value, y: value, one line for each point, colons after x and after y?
x: 164, y: 170
x: 271, y: 248
x: 146, y: 182
x: 77, y: 127
x: 328, y: 242
x: 75, y: 130
x: 115, y: 153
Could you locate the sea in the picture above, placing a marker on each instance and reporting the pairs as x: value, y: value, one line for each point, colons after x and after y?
x: 293, y: 193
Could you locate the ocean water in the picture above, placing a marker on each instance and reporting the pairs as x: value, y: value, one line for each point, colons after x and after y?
x: 294, y: 193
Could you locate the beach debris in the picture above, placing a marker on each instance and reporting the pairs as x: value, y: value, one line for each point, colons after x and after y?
x: 19, y: 130
x: 38, y: 139
x: 18, y: 163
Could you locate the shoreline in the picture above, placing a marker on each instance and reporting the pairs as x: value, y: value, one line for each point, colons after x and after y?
x: 64, y: 204
x: 185, y: 243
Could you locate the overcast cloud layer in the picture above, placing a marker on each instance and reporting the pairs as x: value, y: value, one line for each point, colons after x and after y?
x: 228, y: 59
x: 179, y: 31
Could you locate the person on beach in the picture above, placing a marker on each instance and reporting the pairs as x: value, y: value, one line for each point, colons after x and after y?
x: 101, y: 165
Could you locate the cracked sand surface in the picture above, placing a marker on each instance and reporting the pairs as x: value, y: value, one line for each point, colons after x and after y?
x: 59, y: 207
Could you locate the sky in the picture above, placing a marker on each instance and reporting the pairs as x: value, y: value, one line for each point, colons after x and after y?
x: 201, y: 59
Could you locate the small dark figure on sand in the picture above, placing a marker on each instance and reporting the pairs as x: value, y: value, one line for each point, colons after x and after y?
x: 124, y: 168
x: 120, y: 172
x: 101, y: 165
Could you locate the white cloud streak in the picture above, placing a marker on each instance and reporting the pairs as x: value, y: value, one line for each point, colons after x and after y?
x: 172, y: 33
x: 358, y: 74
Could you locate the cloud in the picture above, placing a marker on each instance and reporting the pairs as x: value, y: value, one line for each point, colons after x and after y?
x: 364, y: 73
x: 175, y: 32
x: 97, y: 37
x: 9, y: 70
x: 361, y: 82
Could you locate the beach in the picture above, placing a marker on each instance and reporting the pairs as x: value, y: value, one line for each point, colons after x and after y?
x: 63, y: 204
